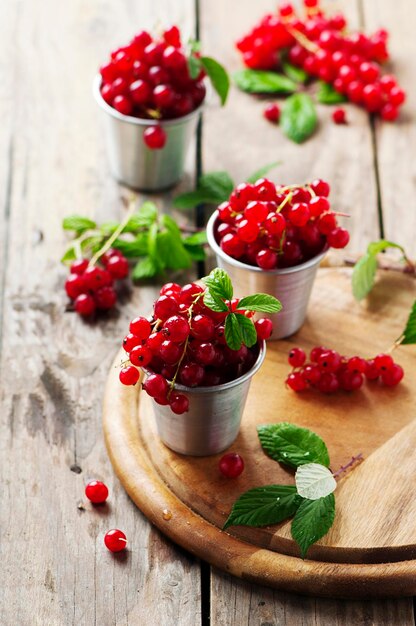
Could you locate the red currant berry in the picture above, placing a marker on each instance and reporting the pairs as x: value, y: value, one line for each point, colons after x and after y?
x: 141, y: 356
x: 154, y: 137
x: 384, y: 362
x: 179, y: 403
x: 173, y: 58
x: 115, y: 540
x: 231, y: 465
x: 248, y: 231
x: 163, y: 96
x: 154, y: 342
x: 266, y: 259
x: 339, y: 116
x: 108, y: 255
x: 393, y: 376
x: 203, y: 327
x: 389, y: 112
x: 140, y: 327
x: 272, y: 113
x: 257, y: 211
x: 165, y: 307
x: 75, y: 285
x: 190, y: 292
x: 96, y: 277
x: 140, y: 91
x: 328, y: 383
x: 105, y: 298
x: 297, y: 357
x: 299, y: 214
x: 170, y: 352
x: 130, y: 341
x: 84, y: 304
x: 79, y: 266
x: 129, y: 375
x: 123, y: 105
x: 397, y: 96
x: 204, y: 352
x: 119, y: 87
x: 191, y: 374
x: 275, y: 224
x: 357, y: 364
x: 327, y: 223
x: 329, y: 361
x: 96, y: 492
x: 264, y: 328
x: 108, y: 72
x: 176, y: 328
x: 351, y: 381
x: 371, y: 371
x: 311, y: 374
x: 232, y: 245
x: 155, y: 385
x: 338, y: 238
x: 118, y: 266
x: 171, y: 287
x: 316, y: 353
x: 318, y: 205
x: 320, y: 187
x: 172, y: 36
x: 296, y: 382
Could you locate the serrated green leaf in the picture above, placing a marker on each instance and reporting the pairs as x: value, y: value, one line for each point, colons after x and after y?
x: 409, y: 333
x: 133, y: 248
x: 292, y: 445
x: 169, y: 223
x: 258, y: 81
x: 218, y: 185
x: 312, y: 521
x: 214, y: 303
x: 326, y: 94
x: 78, y: 223
x: 363, y: 276
x: 145, y: 268
x: 171, y: 253
x: 262, y: 302
x: 262, y: 171
x: 298, y: 118
x: 375, y: 247
x: 232, y: 332
x: 194, y: 66
x: 196, y: 239
x: 314, y: 481
x: 218, y: 77
x: 69, y: 255
x: 219, y: 283
x: 197, y: 253
x: 263, y: 506
x: 295, y: 73
x: 247, y: 330
x: 145, y: 216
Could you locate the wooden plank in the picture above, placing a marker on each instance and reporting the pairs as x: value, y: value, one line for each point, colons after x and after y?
x: 55, y: 568
x: 395, y: 142
x: 240, y: 141
x: 252, y: 605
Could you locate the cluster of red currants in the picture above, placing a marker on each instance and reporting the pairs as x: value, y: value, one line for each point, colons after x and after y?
x: 329, y: 372
x: 185, y: 343
x: 91, y: 286
x: 319, y: 45
x: 273, y: 227
x: 149, y: 78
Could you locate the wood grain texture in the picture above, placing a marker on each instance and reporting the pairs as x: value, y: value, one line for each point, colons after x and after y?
x: 239, y: 140
x: 55, y: 568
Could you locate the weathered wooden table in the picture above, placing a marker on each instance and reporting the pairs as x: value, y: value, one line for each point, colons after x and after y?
x: 55, y: 570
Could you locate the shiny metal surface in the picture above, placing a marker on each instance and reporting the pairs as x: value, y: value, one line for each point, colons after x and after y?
x: 213, y: 420
x: 292, y: 285
x: 131, y: 161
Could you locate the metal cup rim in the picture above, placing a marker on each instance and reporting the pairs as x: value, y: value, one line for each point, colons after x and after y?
x: 252, y: 268
x: 232, y: 383
x: 138, y: 121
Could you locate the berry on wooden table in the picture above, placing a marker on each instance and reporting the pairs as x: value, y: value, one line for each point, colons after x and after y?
x: 96, y: 491
x: 272, y: 113
x: 115, y: 540
x: 231, y: 465
x: 339, y: 116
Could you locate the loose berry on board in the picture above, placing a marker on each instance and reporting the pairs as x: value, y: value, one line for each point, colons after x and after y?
x: 96, y: 492
x: 231, y: 465
x: 115, y: 540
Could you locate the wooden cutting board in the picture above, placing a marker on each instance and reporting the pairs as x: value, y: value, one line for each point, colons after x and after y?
x: 371, y: 548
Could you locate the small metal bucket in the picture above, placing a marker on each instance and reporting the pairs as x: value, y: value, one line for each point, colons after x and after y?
x: 132, y: 163
x: 213, y: 420
x: 291, y: 285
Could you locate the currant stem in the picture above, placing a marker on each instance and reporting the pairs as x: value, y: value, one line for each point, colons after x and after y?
x: 116, y: 233
x: 346, y: 467
x: 304, y: 41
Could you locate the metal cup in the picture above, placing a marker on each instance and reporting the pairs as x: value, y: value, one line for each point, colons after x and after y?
x: 132, y: 163
x: 213, y: 420
x: 291, y: 285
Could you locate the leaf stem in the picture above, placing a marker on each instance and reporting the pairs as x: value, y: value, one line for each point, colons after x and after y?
x: 116, y: 233
x: 345, y: 468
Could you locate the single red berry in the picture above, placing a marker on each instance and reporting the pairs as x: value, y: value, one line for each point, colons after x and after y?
x: 118, y: 266
x: 115, y: 540
x: 108, y: 72
x: 357, y: 364
x: 320, y: 187
x: 328, y: 383
x: 397, y: 96
x: 297, y: 357
x: 157, y: 75
x: 311, y: 374
x: 153, y: 53
x: 272, y: 113
x: 296, y: 381
x: 171, y: 287
x: 371, y: 371
x: 84, y: 304
x: 389, y: 112
x: 107, y: 255
x: 75, y: 286
x: 140, y: 327
x: 96, y: 277
x: 154, y: 137
x: 393, y: 376
x: 179, y: 403
x: 176, y: 328
x: 299, y: 214
x: 140, y: 91
x: 384, y: 362
x: 316, y: 353
x: 232, y: 245
x: 318, y: 205
x: 329, y: 361
x: 105, y: 298
x: 264, y: 328
x: 338, y: 238
x: 141, y: 356
x: 123, y: 105
x: 130, y: 341
x: 204, y: 352
x: 248, y: 230
x: 231, y: 465
x: 155, y: 385
x: 190, y: 292
x: 257, y: 211
x: 266, y: 259
x: 96, y: 492
x: 154, y: 341
x: 173, y: 58
x: 327, y: 223
x: 129, y: 375
x: 172, y: 36
x: 351, y: 381
x: 339, y: 116
x: 165, y: 307
x: 163, y: 96
x: 275, y: 224
x: 119, y: 87
x: 79, y: 266
x: 191, y: 374
x: 170, y: 352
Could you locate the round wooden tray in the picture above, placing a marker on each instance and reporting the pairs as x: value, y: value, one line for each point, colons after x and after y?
x: 371, y: 548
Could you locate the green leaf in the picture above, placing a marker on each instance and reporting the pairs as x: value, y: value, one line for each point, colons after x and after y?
x: 298, y: 118
x: 363, y: 276
x: 247, y: 329
x: 262, y: 302
x: 134, y: 248
x: 262, y: 171
x: 409, y: 333
x: 218, y: 185
x: 232, y: 333
x: 312, y: 521
x: 196, y: 239
x: 328, y: 95
x: 258, y: 81
x: 194, y: 66
x: 145, y: 268
x: 192, y: 199
x: 144, y: 218
x: 214, y: 303
x: 218, y: 77
x: 375, y: 247
x: 194, y: 45
x: 78, y: 223
x: 292, y: 445
x: 197, y: 253
x: 263, y: 506
x: 314, y: 481
x: 171, y: 252
x: 108, y: 227
x: 294, y: 73
x: 219, y: 284
x: 69, y: 255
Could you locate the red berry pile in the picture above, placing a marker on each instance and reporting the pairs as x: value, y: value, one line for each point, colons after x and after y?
x: 185, y: 342
x: 275, y: 226
x: 91, y: 287
x: 328, y: 371
x: 149, y: 78
x: 321, y: 45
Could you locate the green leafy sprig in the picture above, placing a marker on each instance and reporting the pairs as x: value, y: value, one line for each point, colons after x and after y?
x: 155, y: 240
x: 214, y: 70
x: 310, y: 501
